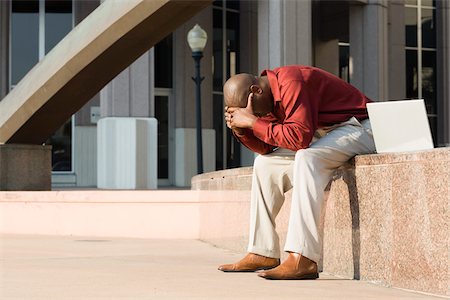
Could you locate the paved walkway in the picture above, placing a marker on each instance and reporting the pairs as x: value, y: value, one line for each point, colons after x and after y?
x: 40, y: 267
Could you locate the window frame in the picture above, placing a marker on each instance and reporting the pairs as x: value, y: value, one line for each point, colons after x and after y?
x: 56, y: 175
x: 226, y: 136
x: 420, y: 51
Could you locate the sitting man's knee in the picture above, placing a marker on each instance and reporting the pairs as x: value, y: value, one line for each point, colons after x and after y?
x: 305, y: 154
x: 260, y: 162
x: 263, y: 161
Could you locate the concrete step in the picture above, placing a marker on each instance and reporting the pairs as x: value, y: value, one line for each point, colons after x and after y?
x: 157, y: 214
x: 139, y: 214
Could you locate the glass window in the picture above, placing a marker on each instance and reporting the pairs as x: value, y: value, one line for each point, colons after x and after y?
x: 225, y: 47
x: 232, y: 43
x: 421, y: 57
x: 428, y: 28
x: 24, y: 38
x: 412, y: 80
x: 433, y: 126
x: 411, y: 26
x: 232, y: 4
x: 344, y: 59
x: 430, y: 3
x: 163, y: 63
x: 58, y: 22
x: 411, y: 2
x: 162, y: 115
x: 218, y: 3
x: 429, y: 80
x: 218, y: 125
x: 25, y: 6
x: 27, y: 37
x: 217, y: 50
x: 61, y: 142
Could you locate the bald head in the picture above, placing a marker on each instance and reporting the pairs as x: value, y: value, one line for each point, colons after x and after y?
x: 237, y: 89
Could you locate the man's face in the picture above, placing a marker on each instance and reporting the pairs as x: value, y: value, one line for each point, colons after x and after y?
x: 262, y: 101
x: 259, y: 105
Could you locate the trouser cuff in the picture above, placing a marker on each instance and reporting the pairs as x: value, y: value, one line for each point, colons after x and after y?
x: 315, y: 257
x: 264, y: 252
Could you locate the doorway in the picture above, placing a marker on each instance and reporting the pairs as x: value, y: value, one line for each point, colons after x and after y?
x: 163, y: 109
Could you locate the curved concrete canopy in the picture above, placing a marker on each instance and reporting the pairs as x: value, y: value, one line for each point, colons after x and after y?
x: 91, y: 55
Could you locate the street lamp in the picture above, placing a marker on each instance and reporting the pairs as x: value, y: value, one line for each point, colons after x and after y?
x: 197, y: 38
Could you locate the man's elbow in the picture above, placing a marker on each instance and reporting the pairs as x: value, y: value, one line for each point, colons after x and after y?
x: 299, y: 144
x: 296, y: 147
x: 263, y: 151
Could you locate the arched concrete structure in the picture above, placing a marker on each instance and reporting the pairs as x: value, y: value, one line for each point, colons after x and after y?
x: 92, y: 54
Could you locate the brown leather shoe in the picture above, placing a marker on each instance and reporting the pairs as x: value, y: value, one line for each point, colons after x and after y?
x: 296, y: 266
x: 251, y: 263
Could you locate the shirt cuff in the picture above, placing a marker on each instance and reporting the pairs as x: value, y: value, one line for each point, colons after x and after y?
x: 242, y: 137
x: 239, y: 135
x: 260, y: 129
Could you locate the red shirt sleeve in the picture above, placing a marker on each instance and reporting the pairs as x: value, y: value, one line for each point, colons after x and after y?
x: 299, y: 125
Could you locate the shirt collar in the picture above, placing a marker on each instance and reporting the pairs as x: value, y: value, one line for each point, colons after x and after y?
x: 273, y: 81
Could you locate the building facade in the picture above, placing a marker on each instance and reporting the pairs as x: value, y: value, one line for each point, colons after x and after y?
x: 390, y: 50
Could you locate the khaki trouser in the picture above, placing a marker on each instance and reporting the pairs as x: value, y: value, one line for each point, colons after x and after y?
x: 308, y: 172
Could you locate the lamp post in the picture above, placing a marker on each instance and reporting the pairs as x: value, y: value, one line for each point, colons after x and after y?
x: 197, y: 38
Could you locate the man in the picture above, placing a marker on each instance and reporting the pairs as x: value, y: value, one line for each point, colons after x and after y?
x: 304, y: 123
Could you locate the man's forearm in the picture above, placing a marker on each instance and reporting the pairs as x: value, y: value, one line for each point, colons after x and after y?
x: 249, y: 140
x: 238, y: 130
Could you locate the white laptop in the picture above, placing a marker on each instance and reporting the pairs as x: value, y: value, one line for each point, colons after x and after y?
x: 400, y: 126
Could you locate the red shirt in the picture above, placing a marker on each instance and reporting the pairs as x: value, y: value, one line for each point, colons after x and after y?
x: 305, y: 99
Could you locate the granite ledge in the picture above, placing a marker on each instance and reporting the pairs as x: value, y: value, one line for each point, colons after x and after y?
x: 199, y: 182
x: 232, y: 174
x: 385, y: 221
x: 437, y: 154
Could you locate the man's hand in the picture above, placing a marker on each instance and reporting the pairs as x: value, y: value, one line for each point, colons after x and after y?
x: 240, y: 118
x: 238, y: 130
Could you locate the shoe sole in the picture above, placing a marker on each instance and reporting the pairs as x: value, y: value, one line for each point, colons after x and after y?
x: 304, y: 277
x: 248, y: 271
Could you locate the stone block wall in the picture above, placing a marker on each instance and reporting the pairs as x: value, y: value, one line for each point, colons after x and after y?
x: 386, y: 218
x: 25, y: 167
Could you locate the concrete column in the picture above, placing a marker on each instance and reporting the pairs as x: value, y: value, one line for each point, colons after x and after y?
x: 184, y: 92
x: 284, y: 33
x: 369, y: 48
x: 330, y: 25
x: 127, y: 153
x: 396, y: 66
x: 127, y: 131
x: 356, y: 34
x: 131, y: 93
x: 326, y: 55
x: 443, y: 72
x: 249, y: 37
x: 5, y: 8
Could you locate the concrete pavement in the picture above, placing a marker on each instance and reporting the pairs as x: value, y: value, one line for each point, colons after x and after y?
x: 48, y: 267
